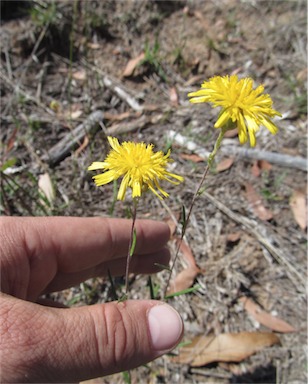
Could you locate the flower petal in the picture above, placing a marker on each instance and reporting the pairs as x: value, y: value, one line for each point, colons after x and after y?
x: 97, y: 165
x: 104, y: 178
x: 123, y: 187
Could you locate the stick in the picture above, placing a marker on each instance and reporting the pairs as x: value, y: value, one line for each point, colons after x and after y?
x: 116, y: 88
x: 248, y: 153
x: 135, y: 125
x: 122, y: 94
x: 72, y: 140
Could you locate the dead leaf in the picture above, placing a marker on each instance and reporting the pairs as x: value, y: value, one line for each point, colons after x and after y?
x: 132, y: 64
x: 46, y: 188
x: 120, y: 116
x: 255, y: 169
x: 172, y: 226
x: 264, y: 318
x: 187, y: 252
x: 82, y: 146
x: 172, y: 222
x: 299, y: 208
x: 259, y: 166
x: 265, y: 165
x: 234, y: 237
x: 204, y: 22
x: 192, y: 157
x: 231, y: 133
x: 11, y: 140
x: 197, y: 79
x: 183, y: 280
x: 80, y: 75
x: 74, y: 112
x: 256, y: 203
x: 186, y: 277
x: 174, y: 96
x: 94, y: 45
x: 235, y: 368
x: 302, y: 75
x: 224, y: 164
x: 224, y: 347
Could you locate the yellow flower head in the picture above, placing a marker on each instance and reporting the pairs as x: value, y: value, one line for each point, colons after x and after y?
x: 140, y: 167
x: 245, y: 107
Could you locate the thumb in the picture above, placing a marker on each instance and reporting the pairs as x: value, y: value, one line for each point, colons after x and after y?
x: 42, y: 344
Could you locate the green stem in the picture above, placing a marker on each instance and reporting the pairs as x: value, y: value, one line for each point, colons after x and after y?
x: 197, y: 192
x: 132, y: 244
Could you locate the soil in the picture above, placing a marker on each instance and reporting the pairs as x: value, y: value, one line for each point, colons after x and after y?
x: 55, y: 58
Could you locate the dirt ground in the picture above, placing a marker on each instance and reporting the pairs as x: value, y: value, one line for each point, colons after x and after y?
x: 63, y: 61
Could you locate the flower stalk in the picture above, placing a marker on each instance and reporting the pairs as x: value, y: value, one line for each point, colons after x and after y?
x: 132, y: 244
x: 196, y: 194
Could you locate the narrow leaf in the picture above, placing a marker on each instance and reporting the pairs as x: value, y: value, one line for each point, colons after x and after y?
x: 134, y: 241
x: 183, y: 292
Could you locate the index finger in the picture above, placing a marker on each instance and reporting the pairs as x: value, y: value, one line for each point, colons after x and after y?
x: 75, y: 244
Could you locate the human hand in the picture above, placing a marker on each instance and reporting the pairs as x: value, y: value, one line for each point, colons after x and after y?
x: 41, y: 343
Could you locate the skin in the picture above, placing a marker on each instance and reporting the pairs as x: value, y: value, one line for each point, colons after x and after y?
x: 43, y: 343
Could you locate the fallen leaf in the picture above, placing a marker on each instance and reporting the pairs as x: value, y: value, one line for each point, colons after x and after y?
x: 265, y: 318
x: 197, y: 79
x: 11, y: 140
x: 192, y: 157
x: 94, y: 45
x: 256, y: 203
x: 224, y: 347
x: 302, y: 75
x: 255, y: 169
x: 235, y: 368
x: 132, y: 64
x: 231, y: 133
x: 259, y: 166
x: 151, y: 107
x: 172, y: 226
x: 224, y: 164
x: 76, y: 114
x: 120, y: 116
x: 183, y: 280
x: 200, y: 17
x: 173, y: 96
x: 234, y: 237
x: 265, y: 165
x: 80, y: 75
x: 46, y: 188
x: 187, y: 252
x: 299, y: 208
x: 82, y: 146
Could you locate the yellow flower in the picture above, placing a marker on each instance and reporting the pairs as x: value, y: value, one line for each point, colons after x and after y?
x: 140, y: 167
x: 245, y: 107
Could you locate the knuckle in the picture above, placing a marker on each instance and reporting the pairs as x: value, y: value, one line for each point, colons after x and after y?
x: 115, y: 335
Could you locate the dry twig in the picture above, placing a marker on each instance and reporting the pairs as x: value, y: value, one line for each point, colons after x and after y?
x: 73, y: 139
x: 247, y: 153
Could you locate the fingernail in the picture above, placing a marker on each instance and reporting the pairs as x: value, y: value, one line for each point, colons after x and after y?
x: 166, y: 327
